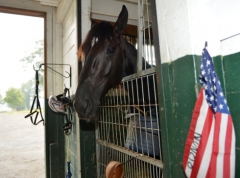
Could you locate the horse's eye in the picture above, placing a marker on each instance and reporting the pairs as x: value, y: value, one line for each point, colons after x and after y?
x: 110, y: 50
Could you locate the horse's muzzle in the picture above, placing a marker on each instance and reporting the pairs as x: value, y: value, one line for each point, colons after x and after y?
x: 84, y: 108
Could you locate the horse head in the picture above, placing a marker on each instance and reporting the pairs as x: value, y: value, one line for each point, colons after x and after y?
x: 104, y: 65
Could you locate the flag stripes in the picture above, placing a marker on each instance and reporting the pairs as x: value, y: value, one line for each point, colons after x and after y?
x: 210, y: 146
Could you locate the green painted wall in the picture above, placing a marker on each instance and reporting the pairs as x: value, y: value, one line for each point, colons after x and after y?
x: 88, y: 150
x: 231, y: 67
x: 178, y: 98
x: 55, y: 146
x: 177, y: 102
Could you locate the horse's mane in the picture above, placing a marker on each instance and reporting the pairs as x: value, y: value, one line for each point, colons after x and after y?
x: 99, y: 32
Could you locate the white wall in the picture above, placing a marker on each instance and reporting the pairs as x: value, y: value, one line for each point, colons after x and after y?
x: 108, y: 10
x: 69, y: 42
x: 185, y: 25
x: 173, y: 29
x: 85, y: 15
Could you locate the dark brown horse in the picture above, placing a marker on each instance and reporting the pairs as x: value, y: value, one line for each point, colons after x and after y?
x: 108, y: 57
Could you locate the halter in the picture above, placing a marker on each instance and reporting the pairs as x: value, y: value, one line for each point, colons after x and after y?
x: 36, y: 96
x: 38, y: 108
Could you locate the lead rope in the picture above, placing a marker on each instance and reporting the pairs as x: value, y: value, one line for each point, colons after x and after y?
x: 69, y: 174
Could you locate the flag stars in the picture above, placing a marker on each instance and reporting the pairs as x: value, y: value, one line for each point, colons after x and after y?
x: 214, y: 95
x: 220, y: 106
x: 208, y: 62
x: 211, y: 89
x: 203, y: 72
x: 214, y: 79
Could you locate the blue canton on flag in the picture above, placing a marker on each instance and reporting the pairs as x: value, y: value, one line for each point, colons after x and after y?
x: 212, y: 85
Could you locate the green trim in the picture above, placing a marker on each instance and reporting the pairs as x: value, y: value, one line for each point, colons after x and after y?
x: 54, y: 144
x: 88, y: 150
x: 231, y: 65
x: 178, y: 97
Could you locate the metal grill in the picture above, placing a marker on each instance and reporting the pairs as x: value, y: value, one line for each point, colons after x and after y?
x: 128, y: 129
x: 133, y: 167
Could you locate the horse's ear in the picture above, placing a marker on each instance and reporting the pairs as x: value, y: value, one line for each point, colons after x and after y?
x: 121, y: 21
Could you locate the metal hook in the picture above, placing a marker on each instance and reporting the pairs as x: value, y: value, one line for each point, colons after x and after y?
x: 35, y: 69
x: 58, y: 72
x: 65, y: 76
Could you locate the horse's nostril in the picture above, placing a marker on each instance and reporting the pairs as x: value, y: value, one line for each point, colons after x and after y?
x: 88, y: 106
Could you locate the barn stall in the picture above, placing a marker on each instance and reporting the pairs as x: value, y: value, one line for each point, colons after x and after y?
x: 150, y: 142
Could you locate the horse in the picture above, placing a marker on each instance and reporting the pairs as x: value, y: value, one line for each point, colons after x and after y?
x: 107, y: 57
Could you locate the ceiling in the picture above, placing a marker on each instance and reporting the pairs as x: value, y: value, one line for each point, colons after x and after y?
x: 56, y: 2
x: 53, y: 3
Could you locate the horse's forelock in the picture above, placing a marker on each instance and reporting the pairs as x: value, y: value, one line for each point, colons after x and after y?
x: 98, y: 32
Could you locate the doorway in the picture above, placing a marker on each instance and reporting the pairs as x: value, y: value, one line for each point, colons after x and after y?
x: 22, y: 46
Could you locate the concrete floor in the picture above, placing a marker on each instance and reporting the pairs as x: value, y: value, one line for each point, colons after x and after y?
x: 21, y: 147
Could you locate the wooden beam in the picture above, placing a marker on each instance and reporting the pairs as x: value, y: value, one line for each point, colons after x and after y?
x: 53, y: 3
x: 22, y: 12
x: 62, y: 10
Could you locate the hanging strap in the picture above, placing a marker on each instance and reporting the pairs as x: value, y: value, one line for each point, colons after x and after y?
x: 38, y: 108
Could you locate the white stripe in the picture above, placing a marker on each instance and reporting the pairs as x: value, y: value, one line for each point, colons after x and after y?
x: 221, y: 145
x: 233, y: 154
x: 204, y: 165
x: 199, y: 127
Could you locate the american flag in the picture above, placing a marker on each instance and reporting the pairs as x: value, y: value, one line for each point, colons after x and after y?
x: 210, y: 146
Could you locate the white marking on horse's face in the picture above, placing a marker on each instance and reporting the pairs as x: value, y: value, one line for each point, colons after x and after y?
x: 94, y: 41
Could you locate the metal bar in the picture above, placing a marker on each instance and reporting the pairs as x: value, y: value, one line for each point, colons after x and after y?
x: 149, y: 25
x: 118, y: 106
x: 140, y: 36
x: 230, y: 37
x: 141, y: 157
x: 140, y: 74
x: 53, y: 64
x: 157, y: 117
x: 118, y: 133
x: 110, y: 15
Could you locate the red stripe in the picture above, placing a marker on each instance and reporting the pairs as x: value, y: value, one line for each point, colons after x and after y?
x: 204, y: 139
x: 213, y: 163
x: 228, y: 144
x: 192, y: 128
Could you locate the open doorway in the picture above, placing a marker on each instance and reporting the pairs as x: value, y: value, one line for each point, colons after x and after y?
x: 22, y: 46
